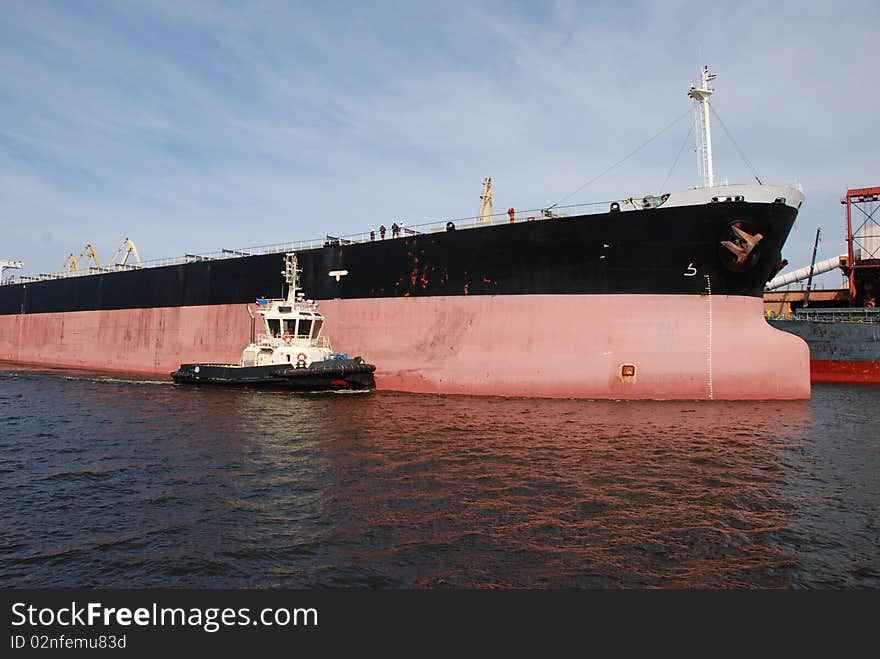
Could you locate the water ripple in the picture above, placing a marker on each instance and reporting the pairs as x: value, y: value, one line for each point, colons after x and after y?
x: 116, y: 483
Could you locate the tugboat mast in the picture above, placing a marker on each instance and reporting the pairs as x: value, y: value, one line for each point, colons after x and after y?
x: 291, y: 273
x: 701, y: 96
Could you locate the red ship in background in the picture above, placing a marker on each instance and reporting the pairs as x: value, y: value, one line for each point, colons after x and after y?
x: 842, y: 326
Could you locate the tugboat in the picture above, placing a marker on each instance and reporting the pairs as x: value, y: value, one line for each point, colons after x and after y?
x: 292, y: 354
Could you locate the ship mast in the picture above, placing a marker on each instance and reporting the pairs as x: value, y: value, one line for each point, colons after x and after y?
x: 701, y: 96
x: 291, y: 274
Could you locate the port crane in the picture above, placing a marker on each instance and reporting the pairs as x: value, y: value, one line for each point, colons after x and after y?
x: 6, y: 264
x: 485, y: 216
x: 861, y: 264
x: 71, y: 264
x: 126, y: 249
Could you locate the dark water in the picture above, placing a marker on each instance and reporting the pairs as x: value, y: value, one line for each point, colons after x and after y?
x: 130, y: 484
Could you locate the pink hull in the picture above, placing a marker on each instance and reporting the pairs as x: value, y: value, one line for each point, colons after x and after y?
x: 558, y: 346
x: 151, y: 341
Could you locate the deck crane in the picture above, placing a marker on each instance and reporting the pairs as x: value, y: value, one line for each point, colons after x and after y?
x: 127, y: 248
x: 72, y: 263
x: 485, y: 216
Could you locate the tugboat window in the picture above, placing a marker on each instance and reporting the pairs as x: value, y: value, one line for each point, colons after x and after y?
x: 290, y: 327
x: 317, y: 329
x: 274, y: 326
x: 305, y: 326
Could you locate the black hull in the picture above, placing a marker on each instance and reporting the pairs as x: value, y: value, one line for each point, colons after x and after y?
x: 660, y: 251
x: 332, y: 375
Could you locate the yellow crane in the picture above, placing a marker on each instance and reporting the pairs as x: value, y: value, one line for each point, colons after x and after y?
x: 127, y: 248
x: 71, y: 264
x: 485, y: 216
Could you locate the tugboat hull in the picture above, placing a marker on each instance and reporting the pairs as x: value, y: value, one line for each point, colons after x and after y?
x: 328, y: 375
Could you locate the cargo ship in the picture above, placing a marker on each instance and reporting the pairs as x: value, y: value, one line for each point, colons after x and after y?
x: 650, y: 297
x: 841, y: 327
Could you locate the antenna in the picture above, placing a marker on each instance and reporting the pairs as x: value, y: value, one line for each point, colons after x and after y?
x: 291, y: 273
x: 701, y: 96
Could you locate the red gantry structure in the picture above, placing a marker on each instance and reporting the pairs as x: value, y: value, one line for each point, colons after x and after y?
x: 863, y: 245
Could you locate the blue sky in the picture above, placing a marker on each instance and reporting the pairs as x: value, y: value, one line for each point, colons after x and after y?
x: 195, y: 126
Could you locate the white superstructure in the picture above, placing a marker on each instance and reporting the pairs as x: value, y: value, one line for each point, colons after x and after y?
x: 291, y: 328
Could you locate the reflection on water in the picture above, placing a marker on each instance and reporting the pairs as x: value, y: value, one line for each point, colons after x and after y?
x: 109, y: 483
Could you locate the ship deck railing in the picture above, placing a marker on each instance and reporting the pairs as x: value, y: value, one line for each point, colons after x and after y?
x: 267, y: 340
x: 372, y: 235
x: 843, y: 315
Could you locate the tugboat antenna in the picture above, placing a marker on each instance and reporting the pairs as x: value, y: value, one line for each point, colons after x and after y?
x: 291, y: 274
x: 701, y: 96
